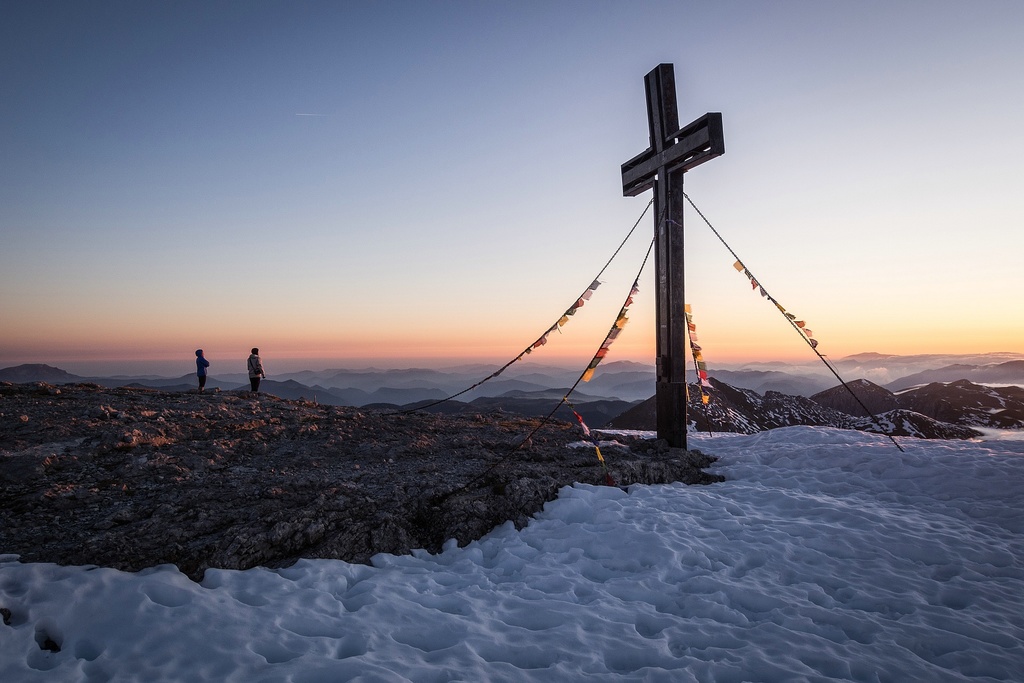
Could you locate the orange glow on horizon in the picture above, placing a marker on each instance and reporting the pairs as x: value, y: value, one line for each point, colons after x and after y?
x: 734, y: 339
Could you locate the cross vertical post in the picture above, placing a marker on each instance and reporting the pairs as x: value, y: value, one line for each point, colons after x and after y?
x: 672, y: 153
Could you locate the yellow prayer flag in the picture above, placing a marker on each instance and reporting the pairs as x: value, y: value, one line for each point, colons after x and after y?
x: 738, y: 266
x: 588, y: 374
x: 687, y: 309
x: 599, y: 456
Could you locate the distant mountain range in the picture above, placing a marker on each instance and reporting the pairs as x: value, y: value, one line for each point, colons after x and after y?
x: 1010, y: 372
x: 37, y: 372
x: 534, y: 393
x: 747, y: 398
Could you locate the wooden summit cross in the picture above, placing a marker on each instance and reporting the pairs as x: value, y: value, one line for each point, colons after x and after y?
x: 672, y: 153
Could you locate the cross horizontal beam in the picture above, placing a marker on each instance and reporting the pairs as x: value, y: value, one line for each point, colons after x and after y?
x: 688, y: 147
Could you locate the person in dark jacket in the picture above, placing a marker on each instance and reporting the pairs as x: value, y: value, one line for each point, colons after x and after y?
x: 255, y: 370
x: 201, y: 365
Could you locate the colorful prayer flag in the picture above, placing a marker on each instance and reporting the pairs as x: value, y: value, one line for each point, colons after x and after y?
x: 579, y: 418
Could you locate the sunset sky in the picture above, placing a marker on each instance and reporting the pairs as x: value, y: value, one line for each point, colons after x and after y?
x: 399, y: 182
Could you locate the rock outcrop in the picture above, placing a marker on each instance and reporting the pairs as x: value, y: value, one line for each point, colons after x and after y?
x: 857, y: 395
x: 131, y: 478
x: 747, y: 412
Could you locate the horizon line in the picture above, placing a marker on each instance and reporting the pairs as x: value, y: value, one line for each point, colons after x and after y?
x: 161, y: 367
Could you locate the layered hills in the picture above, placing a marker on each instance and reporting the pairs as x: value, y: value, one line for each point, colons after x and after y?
x: 936, y: 398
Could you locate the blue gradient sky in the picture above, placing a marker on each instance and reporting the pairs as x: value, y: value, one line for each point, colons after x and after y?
x: 439, y: 180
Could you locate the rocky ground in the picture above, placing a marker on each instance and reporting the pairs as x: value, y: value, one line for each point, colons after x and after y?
x: 744, y: 411
x: 132, y: 478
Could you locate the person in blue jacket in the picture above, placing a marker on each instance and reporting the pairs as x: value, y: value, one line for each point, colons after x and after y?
x: 201, y: 365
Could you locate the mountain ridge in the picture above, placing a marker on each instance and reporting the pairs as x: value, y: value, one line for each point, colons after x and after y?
x: 732, y: 409
x: 619, y: 387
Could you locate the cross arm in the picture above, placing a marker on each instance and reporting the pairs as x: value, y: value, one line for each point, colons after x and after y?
x: 688, y: 147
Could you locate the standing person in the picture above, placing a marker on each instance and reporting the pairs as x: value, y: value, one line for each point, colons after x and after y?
x: 201, y: 365
x: 255, y: 370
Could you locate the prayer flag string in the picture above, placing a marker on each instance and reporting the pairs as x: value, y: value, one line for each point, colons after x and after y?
x: 543, y: 339
x: 613, y: 333
x: 700, y: 366
x: 799, y: 325
x: 592, y: 438
x: 571, y: 311
x: 620, y: 322
x: 565, y: 399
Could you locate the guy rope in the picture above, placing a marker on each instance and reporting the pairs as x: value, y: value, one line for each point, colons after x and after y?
x: 798, y: 325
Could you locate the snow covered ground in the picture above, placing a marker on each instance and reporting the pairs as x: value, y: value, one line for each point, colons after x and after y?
x: 827, y: 555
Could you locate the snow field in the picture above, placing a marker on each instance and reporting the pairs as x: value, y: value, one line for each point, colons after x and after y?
x: 826, y: 555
